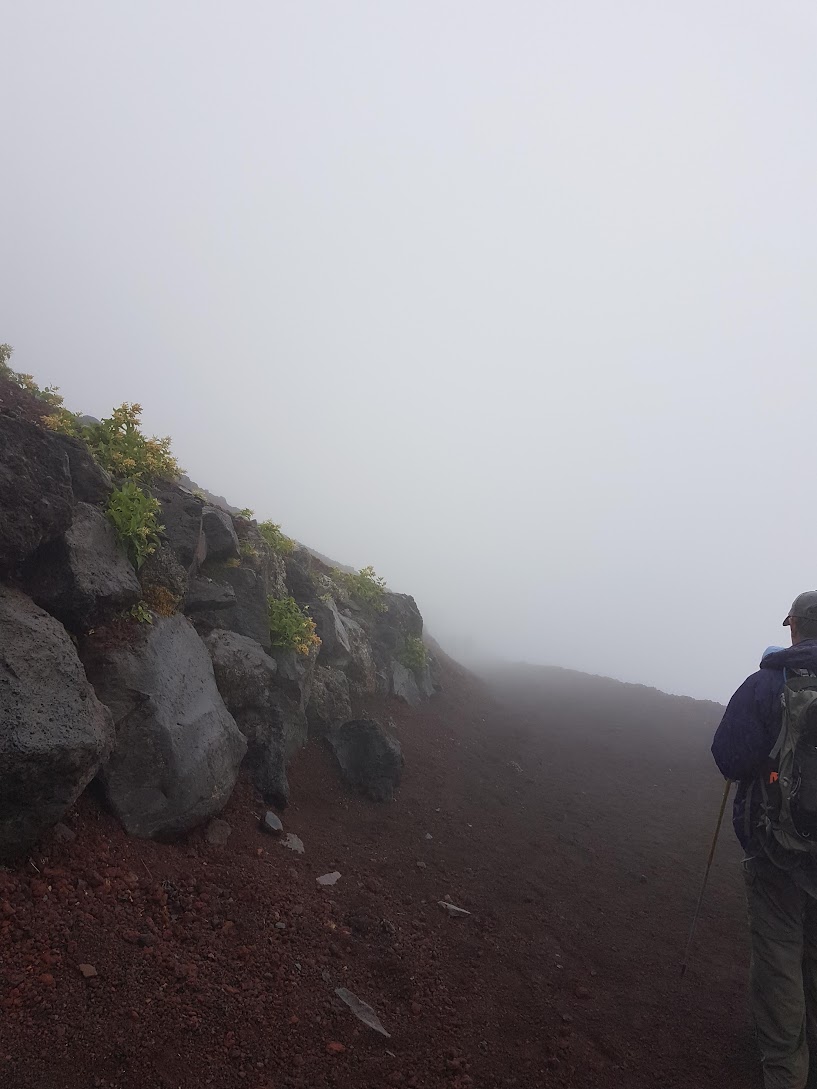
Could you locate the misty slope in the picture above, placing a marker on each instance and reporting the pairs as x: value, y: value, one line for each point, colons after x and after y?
x: 628, y: 709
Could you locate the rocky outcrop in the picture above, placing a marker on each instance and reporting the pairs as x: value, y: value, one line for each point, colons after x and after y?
x: 329, y: 701
x: 55, y: 732
x: 177, y: 746
x: 84, y: 577
x: 36, y: 496
x: 369, y: 757
x: 220, y: 539
x: 266, y: 702
x: 178, y: 749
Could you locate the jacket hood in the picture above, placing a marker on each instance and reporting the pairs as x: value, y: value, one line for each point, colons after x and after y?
x: 801, y: 656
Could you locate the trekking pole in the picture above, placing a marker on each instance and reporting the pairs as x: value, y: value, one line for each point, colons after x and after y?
x: 726, y: 790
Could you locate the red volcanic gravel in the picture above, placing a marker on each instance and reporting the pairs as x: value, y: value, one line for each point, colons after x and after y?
x: 216, y: 966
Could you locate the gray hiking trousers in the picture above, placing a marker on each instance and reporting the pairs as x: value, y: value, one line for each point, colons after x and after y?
x: 783, y: 929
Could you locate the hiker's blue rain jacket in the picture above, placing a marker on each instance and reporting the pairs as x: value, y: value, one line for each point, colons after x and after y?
x: 751, y: 724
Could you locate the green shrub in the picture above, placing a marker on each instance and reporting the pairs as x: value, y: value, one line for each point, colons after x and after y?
x: 48, y: 394
x: 247, y: 513
x: 365, y: 586
x: 119, y: 446
x: 278, y: 541
x: 134, y: 517
x: 414, y: 654
x: 290, y: 627
x: 248, y: 550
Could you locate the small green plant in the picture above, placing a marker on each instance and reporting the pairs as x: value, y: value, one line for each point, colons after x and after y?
x: 278, y: 541
x: 248, y: 550
x: 134, y: 517
x: 245, y: 512
x: 367, y: 587
x: 291, y: 628
x: 48, y: 394
x: 138, y: 612
x: 414, y: 654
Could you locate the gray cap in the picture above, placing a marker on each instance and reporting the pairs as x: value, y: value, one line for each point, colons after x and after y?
x: 804, y: 607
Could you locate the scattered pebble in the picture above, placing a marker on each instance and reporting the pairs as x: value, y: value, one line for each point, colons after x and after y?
x: 452, y: 909
x: 63, y: 833
x: 293, y: 843
x: 218, y: 832
x: 271, y: 823
x: 329, y: 878
x: 88, y: 970
x: 362, y: 1010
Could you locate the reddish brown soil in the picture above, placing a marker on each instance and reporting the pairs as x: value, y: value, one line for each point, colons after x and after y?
x: 572, y: 822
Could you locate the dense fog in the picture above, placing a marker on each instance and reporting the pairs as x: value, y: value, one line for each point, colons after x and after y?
x: 513, y: 301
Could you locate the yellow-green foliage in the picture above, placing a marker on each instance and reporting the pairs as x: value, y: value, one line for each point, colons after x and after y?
x: 278, y: 541
x: 134, y: 517
x: 49, y: 394
x: 367, y: 587
x: 414, y: 654
x: 119, y: 446
x: 291, y: 628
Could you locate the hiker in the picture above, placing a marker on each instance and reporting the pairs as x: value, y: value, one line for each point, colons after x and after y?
x: 775, y: 816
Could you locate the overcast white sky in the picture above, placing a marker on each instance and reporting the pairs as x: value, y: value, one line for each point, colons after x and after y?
x: 515, y: 301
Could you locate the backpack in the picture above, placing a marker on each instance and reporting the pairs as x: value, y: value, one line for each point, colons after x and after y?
x: 788, y: 784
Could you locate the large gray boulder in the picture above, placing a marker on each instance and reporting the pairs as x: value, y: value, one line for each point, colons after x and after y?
x: 164, y: 581
x: 181, y: 518
x: 399, y: 620
x: 334, y: 630
x: 247, y: 614
x: 329, y: 702
x: 84, y: 577
x: 54, y: 732
x: 258, y: 555
x: 178, y: 749
x: 220, y: 538
x: 36, y: 496
x: 207, y: 596
x: 266, y: 702
x: 404, y: 685
x: 369, y: 758
x: 90, y: 482
x: 362, y: 668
